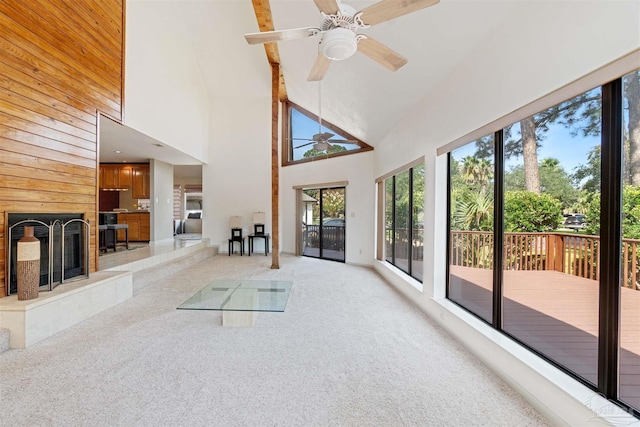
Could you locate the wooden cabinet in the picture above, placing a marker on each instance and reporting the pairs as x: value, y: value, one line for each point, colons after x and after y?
x: 139, y: 226
x: 145, y: 228
x: 124, y: 177
x: 140, y: 177
x: 114, y: 176
x: 109, y: 176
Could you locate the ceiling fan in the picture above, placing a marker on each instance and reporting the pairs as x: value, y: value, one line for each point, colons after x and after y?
x: 340, y: 23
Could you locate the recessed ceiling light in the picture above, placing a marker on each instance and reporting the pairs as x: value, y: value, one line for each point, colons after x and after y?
x: 117, y: 151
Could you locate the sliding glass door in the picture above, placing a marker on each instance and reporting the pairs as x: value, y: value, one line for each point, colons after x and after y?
x: 324, y: 224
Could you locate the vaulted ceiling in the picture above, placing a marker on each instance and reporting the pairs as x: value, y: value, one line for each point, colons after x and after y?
x: 358, y: 95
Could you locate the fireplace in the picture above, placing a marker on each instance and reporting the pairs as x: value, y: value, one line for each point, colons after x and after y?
x: 64, y: 246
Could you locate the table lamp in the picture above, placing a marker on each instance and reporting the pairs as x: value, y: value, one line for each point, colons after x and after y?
x: 235, y: 222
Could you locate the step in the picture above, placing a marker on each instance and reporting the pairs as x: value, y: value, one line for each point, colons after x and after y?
x: 146, y: 277
x: 4, y: 339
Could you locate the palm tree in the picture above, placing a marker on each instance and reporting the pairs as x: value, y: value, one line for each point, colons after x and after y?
x: 475, y: 212
x: 477, y: 171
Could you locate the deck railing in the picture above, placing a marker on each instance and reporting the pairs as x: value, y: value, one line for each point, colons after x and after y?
x: 568, y: 253
x: 332, y: 237
x: 401, y: 239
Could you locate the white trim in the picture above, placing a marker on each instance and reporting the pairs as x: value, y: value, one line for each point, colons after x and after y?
x: 402, y: 168
x: 321, y: 185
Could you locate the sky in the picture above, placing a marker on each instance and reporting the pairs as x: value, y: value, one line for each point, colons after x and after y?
x: 558, y: 144
x: 304, y: 127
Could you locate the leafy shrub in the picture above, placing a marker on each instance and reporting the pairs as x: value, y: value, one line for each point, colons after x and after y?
x: 529, y: 212
x: 630, y: 213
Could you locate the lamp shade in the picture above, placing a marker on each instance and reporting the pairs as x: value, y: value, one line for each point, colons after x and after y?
x: 235, y: 222
x: 258, y: 217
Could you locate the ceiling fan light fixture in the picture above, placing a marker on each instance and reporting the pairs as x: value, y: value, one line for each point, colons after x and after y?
x: 321, y: 146
x: 339, y: 43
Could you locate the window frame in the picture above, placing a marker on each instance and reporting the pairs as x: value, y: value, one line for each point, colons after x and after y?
x: 381, y: 253
x: 287, y: 150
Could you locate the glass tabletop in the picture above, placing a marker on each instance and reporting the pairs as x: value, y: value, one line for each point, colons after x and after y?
x: 241, y: 295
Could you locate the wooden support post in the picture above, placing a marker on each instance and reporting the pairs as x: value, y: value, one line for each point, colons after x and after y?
x: 275, y: 165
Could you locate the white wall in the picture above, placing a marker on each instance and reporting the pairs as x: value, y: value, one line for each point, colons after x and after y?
x: 237, y: 178
x: 165, y: 94
x: 161, y: 200
x: 521, y: 61
x: 357, y: 169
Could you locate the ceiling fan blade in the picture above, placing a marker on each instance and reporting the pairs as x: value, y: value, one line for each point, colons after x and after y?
x: 304, y: 145
x: 328, y: 7
x: 343, y: 141
x: 381, y: 54
x: 386, y: 10
x: 319, y: 68
x: 276, y: 36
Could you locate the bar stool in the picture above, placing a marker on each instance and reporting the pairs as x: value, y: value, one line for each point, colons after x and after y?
x: 114, y: 229
x: 102, y: 230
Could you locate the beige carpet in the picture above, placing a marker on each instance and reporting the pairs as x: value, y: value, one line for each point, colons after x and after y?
x: 348, y: 350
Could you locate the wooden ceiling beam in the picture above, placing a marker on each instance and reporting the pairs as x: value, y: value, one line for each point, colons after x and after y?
x: 262, y: 9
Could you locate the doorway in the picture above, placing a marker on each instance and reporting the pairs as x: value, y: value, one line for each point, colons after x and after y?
x: 324, y: 223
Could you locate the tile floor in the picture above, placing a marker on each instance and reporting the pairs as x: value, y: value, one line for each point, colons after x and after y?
x: 123, y: 256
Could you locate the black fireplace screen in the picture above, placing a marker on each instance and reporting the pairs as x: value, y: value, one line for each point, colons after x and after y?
x: 64, y: 248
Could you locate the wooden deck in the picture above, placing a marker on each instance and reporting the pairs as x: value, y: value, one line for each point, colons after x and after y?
x: 557, y: 314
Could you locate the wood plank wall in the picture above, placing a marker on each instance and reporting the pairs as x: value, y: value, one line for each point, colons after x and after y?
x: 61, y: 63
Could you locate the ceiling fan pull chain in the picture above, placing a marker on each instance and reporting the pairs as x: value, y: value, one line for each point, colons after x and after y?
x: 319, y: 106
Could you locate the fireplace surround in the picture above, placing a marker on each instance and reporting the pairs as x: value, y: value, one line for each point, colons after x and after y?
x: 64, y: 246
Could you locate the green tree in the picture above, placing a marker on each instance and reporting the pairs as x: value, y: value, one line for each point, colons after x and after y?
x: 333, y: 203
x: 588, y: 176
x: 473, y: 210
x: 524, y: 140
x: 476, y: 171
x: 418, y: 196
x: 471, y: 194
x: 630, y: 213
x: 554, y: 180
x: 315, y: 153
x: 525, y: 211
x: 631, y: 84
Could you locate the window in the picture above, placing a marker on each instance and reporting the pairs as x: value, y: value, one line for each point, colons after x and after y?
x: 630, y: 248
x: 403, y: 220
x: 305, y: 137
x: 563, y: 238
x: 471, y: 227
x: 550, y: 277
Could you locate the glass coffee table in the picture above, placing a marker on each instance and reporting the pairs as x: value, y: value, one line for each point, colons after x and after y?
x: 240, y: 300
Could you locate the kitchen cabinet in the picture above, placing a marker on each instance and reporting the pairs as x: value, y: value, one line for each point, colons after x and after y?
x: 115, y: 176
x: 124, y: 177
x: 139, y: 226
x: 140, y: 178
x: 108, y: 176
